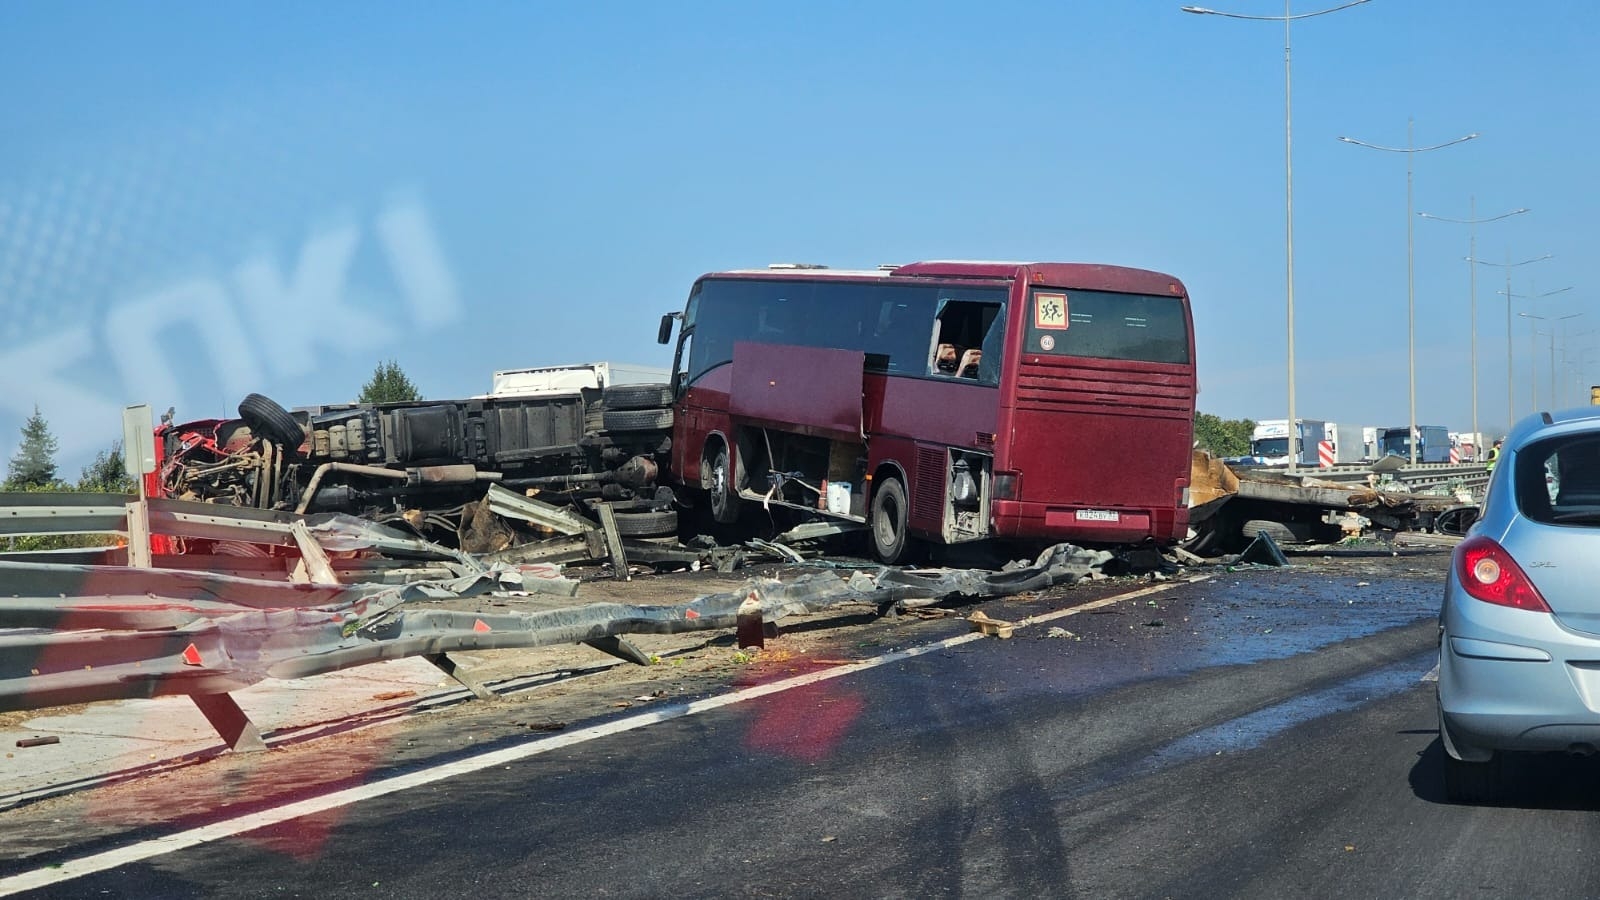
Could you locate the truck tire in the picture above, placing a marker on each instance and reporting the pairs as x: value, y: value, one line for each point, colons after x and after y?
x: 266, y: 418
x: 1280, y: 532
x: 632, y: 522
x: 637, y: 419
x: 638, y: 396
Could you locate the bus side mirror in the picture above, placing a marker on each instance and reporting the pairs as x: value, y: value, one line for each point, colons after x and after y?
x: 664, y: 334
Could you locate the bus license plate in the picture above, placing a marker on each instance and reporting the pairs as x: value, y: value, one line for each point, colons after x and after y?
x: 1099, y: 515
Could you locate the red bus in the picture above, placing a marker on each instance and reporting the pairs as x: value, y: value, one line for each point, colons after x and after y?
x: 942, y: 402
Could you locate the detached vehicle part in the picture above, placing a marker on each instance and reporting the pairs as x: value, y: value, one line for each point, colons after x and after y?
x: 423, y: 462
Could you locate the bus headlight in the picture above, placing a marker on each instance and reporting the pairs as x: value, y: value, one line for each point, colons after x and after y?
x: 1007, y: 485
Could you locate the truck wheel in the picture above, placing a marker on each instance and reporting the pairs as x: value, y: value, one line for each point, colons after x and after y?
x: 266, y: 418
x: 638, y: 396
x: 1280, y: 532
x: 724, y: 496
x: 637, y: 419
x: 889, y: 513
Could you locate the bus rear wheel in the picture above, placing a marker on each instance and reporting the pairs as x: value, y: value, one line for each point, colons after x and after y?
x: 889, y: 513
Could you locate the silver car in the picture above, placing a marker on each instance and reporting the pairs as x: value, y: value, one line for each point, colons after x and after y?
x: 1519, y: 653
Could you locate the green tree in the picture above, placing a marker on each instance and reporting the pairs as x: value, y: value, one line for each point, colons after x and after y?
x: 1223, y: 437
x: 389, y: 384
x: 34, y: 465
x: 106, y: 474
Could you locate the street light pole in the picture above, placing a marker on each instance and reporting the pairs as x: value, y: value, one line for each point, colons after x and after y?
x: 1472, y: 222
x: 1410, y: 150
x: 1508, y: 265
x: 1533, y: 358
x: 1533, y: 348
x: 1288, y: 186
x: 1555, y: 398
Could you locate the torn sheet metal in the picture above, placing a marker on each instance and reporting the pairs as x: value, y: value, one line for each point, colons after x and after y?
x: 505, y: 502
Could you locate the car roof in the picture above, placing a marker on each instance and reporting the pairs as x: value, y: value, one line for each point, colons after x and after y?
x: 1553, y: 422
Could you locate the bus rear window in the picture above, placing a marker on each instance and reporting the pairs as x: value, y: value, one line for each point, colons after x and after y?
x: 1104, y: 325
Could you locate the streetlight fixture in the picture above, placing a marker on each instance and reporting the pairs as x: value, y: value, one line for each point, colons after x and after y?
x: 1508, y: 265
x: 1410, y: 150
x: 1533, y: 350
x: 1472, y: 221
x: 1288, y: 181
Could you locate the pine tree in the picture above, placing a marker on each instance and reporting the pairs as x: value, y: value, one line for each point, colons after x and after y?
x: 389, y: 384
x: 34, y: 465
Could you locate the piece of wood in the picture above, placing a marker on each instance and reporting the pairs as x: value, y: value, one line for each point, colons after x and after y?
x: 993, y: 627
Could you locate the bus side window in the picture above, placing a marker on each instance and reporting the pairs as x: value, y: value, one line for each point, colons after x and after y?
x: 967, y: 344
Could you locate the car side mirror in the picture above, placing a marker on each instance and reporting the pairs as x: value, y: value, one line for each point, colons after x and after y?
x: 664, y: 334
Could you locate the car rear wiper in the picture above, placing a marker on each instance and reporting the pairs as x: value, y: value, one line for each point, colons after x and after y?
x: 1586, y: 517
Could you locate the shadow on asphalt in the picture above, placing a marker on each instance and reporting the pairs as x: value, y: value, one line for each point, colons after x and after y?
x: 1554, y: 781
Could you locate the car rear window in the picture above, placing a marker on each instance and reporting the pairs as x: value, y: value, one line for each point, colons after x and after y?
x: 1558, y: 480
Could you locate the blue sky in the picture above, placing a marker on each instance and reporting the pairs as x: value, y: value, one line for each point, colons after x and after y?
x: 171, y: 171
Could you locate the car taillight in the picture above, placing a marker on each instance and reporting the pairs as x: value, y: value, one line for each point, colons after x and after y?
x: 1488, y: 573
x: 1007, y: 485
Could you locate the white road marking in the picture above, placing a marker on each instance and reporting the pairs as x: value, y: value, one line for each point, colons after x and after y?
x: 193, y: 837
x: 1433, y: 673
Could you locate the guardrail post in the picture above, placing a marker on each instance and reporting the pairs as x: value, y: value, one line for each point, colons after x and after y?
x: 448, y: 666
x: 619, y: 560
x: 621, y: 648
x: 231, y: 723
x: 139, y: 535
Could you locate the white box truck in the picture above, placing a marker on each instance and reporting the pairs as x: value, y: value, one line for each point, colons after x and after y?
x: 1349, y: 443
x: 1269, y: 443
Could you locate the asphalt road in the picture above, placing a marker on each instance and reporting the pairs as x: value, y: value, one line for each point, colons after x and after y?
x: 1260, y: 734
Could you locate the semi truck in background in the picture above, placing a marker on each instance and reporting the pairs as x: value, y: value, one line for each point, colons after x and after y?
x: 1433, y: 443
x: 1349, y: 443
x: 1269, y: 443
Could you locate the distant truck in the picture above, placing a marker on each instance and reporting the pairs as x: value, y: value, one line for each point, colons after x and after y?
x: 1433, y: 443
x: 1468, y: 445
x: 1269, y: 443
x: 1349, y: 444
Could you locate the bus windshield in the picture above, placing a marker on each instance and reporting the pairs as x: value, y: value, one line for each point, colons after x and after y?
x: 903, y: 328
x: 1104, y: 325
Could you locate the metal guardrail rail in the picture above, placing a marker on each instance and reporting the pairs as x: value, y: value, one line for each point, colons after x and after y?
x: 1418, y: 477
x: 74, y: 633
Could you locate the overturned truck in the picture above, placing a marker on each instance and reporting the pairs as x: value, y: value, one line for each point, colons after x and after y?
x: 598, y: 430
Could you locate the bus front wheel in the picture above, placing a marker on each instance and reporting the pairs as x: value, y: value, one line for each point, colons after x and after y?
x: 889, y: 513
x: 719, y: 485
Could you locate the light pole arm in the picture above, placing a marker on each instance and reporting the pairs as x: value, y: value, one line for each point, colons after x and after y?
x: 1203, y: 11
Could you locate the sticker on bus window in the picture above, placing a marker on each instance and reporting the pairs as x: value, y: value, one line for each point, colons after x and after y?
x: 1050, y: 311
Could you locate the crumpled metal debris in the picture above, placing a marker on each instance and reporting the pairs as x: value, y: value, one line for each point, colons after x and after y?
x: 108, y: 632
